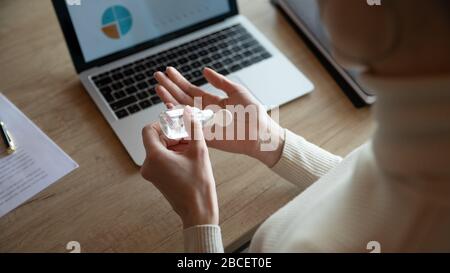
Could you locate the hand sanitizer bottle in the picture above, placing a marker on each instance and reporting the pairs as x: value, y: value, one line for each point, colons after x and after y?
x: 172, y: 123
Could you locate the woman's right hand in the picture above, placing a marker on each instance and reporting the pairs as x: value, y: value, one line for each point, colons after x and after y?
x: 174, y: 89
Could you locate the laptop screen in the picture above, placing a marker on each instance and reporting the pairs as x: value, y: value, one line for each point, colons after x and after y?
x: 104, y: 27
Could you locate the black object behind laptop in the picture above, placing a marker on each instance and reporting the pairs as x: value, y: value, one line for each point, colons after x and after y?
x: 304, y: 15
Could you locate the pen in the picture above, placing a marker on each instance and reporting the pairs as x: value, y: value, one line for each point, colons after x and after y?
x: 6, y: 136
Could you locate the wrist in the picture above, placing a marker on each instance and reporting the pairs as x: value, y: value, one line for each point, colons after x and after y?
x: 273, y: 147
x: 200, y: 218
x: 203, y: 211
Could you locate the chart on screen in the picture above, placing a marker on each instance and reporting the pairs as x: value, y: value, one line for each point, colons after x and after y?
x: 116, y: 22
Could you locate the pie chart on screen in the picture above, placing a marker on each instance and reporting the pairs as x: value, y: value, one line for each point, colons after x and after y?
x: 116, y: 22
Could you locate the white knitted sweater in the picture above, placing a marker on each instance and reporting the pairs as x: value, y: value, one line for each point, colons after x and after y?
x: 394, y: 190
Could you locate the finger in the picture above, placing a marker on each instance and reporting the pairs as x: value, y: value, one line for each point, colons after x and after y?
x: 183, y: 83
x: 192, y: 90
x: 220, y: 82
x: 181, y: 148
x: 173, y: 89
x: 165, y: 95
x: 194, y: 129
x: 163, y: 140
x: 170, y: 105
x: 170, y: 142
x: 151, y: 138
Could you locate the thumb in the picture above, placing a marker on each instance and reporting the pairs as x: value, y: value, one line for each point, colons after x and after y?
x: 193, y: 128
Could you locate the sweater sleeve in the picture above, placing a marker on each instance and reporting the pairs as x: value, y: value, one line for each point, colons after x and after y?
x: 302, y: 163
x: 203, y: 239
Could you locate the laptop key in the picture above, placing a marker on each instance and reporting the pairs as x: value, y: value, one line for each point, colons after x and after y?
x: 197, y: 74
x: 117, y: 76
x: 246, y: 63
x: 172, y: 64
x: 150, y: 64
x: 133, y: 109
x: 108, y: 97
x: 258, y: 49
x: 216, y: 56
x: 142, y: 85
x: 161, y: 60
x: 266, y: 55
x: 103, y: 81
x: 117, y: 86
x: 237, y: 57
x: 226, y: 52
x: 143, y: 95
x: 199, y: 82
x: 183, y: 60
x: 122, y: 113
x: 123, y: 103
x: 206, y: 61
x: 217, y: 66
x: 193, y: 57
x: 185, y: 68
x: 235, y: 67
x: 171, y: 56
x: 228, y: 61
x: 145, y: 104
x: 128, y: 81
x: 139, y: 77
x: 222, y: 45
x: 223, y: 71
x: 213, y: 49
x: 128, y: 72
x: 156, y: 100
x: 139, y: 68
x: 247, y: 53
x: 256, y: 59
x: 106, y: 90
x: 131, y: 90
x: 119, y: 95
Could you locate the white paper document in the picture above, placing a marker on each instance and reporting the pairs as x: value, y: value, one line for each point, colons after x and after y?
x: 37, y: 163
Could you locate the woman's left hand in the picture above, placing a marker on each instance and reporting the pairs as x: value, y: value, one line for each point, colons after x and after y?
x: 182, y: 171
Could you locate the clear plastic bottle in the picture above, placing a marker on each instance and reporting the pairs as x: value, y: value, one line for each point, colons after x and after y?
x: 172, y: 123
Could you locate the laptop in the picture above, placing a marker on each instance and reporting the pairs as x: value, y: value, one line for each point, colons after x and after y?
x: 117, y: 45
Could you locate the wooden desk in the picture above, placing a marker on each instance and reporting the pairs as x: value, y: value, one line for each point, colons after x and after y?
x: 105, y: 204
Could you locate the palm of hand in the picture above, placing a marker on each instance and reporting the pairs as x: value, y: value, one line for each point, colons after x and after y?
x: 241, y: 135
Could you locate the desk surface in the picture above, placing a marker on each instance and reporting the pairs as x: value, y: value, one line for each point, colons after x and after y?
x: 105, y: 204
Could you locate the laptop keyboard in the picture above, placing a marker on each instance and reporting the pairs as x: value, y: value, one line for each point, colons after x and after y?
x: 131, y: 88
